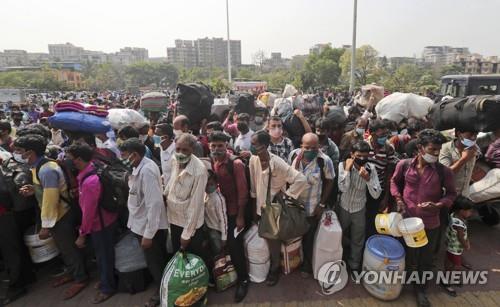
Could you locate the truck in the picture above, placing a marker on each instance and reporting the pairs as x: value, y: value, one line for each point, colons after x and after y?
x: 10, y: 94
x: 466, y: 85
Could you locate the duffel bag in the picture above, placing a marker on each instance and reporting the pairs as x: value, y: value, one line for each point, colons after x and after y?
x: 473, y: 113
x: 80, y: 122
x: 245, y: 104
x: 195, y: 101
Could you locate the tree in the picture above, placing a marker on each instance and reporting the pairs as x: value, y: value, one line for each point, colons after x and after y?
x: 366, y: 65
x: 452, y: 70
x: 107, y: 77
x: 159, y: 74
x: 322, y: 70
x: 258, y: 58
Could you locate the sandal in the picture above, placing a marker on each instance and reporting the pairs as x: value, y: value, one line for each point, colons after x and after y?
x: 449, y: 289
x: 62, y: 281
x: 74, y: 290
x: 101, y: 297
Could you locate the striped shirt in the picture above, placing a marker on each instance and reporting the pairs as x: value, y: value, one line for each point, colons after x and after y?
x: 311, y: 195
x: 48, y: 192
x: 353, y: 187
x: 381, y: 158
x: 215, y: 213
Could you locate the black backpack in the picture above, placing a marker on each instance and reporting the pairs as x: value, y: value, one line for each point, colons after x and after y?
x: 114, y: 184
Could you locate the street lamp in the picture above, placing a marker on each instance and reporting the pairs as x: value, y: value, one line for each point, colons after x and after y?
x: 228, y: 44
x: 353, y: 47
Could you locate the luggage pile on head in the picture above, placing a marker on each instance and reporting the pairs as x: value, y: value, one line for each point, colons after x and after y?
x: 400, y: 106
x: 154, y: 102
x: 119, y: 118
x: 245, y: 103
x: 473, y: 113
x: 195, y: 101
x: 76, y: 116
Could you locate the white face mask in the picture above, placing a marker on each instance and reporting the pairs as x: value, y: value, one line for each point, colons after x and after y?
x: 99, y: 143
x: 19, y: 158
x: 276, y: 132
x: 430, y: 158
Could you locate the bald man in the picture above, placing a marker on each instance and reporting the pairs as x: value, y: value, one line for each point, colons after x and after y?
x: 318, y: 169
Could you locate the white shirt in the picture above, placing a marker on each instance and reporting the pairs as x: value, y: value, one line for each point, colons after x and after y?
x: 166, y: 157
x: 147, y: 211
x: 215, y: 213
x: 282, y: 173
x: 311, y: 196
x: 185, y: 194
x: 243, y: 141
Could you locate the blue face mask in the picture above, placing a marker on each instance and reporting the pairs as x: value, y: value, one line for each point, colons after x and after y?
x: 382, y: 140
x: 468, y: 143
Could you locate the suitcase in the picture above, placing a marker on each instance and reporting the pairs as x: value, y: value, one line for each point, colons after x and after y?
x: 473, y: 113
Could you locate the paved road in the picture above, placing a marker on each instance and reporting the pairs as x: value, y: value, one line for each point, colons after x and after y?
x: 295, y: 291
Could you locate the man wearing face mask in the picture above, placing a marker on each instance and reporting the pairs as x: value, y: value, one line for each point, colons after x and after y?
x: 422, y: 187
x: 243, y: 141
x: 319, y: 172
x: 181, y: 125
x: 352, y: 137
x: 383, y: 157
x: 280, y: 145
x: 147, y: 214
x: 233, y: 184
x: 185, y: 194
x: 106, y: 141
x: 266, y: 167
x: 356, y: 177
x: 460, y: 156
x: 167, y: 149
x: 57, y: 216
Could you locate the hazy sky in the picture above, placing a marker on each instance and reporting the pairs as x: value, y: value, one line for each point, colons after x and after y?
x: 393, y: 27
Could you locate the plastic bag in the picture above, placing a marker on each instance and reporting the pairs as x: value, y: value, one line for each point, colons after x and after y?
x: 257, y: 252
x: 129, y: 255
x: 224, y: 273
x: 399, y: 106
x: 184, y: 281
x: 119, y: 118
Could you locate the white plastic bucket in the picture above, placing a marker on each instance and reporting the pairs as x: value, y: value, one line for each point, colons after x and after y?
x: 387, y: 223
x: 413, y: 231
x: 383, y: 254
x: 40, y: 250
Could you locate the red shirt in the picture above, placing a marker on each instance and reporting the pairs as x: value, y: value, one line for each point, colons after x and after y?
x: 234, y: 188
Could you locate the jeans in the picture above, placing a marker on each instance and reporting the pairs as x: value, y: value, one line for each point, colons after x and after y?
x: 353, y: 235
x: 308, y: 244
x: 65, y: 234
x: 421, y: 259
x: 104, y: 246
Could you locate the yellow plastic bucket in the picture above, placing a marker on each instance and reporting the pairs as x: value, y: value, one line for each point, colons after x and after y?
x: 413, y: 231
x: 387, y: 223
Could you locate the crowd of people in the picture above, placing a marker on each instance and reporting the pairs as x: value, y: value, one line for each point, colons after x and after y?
x: 203, y: 188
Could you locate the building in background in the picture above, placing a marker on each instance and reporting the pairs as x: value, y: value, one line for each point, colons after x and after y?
x: 443, y: 55
x: 276, y: 61
x: 14, y: 57
x: 477, y: 64
x: 318, y: 48
x: 395, y: 62
x: 65, y: 52
x: 205, y: 52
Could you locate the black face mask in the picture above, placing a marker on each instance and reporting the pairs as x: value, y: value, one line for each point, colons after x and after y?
x: 242, y: 127
x: 360, y: 162
x: 322, y: 137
